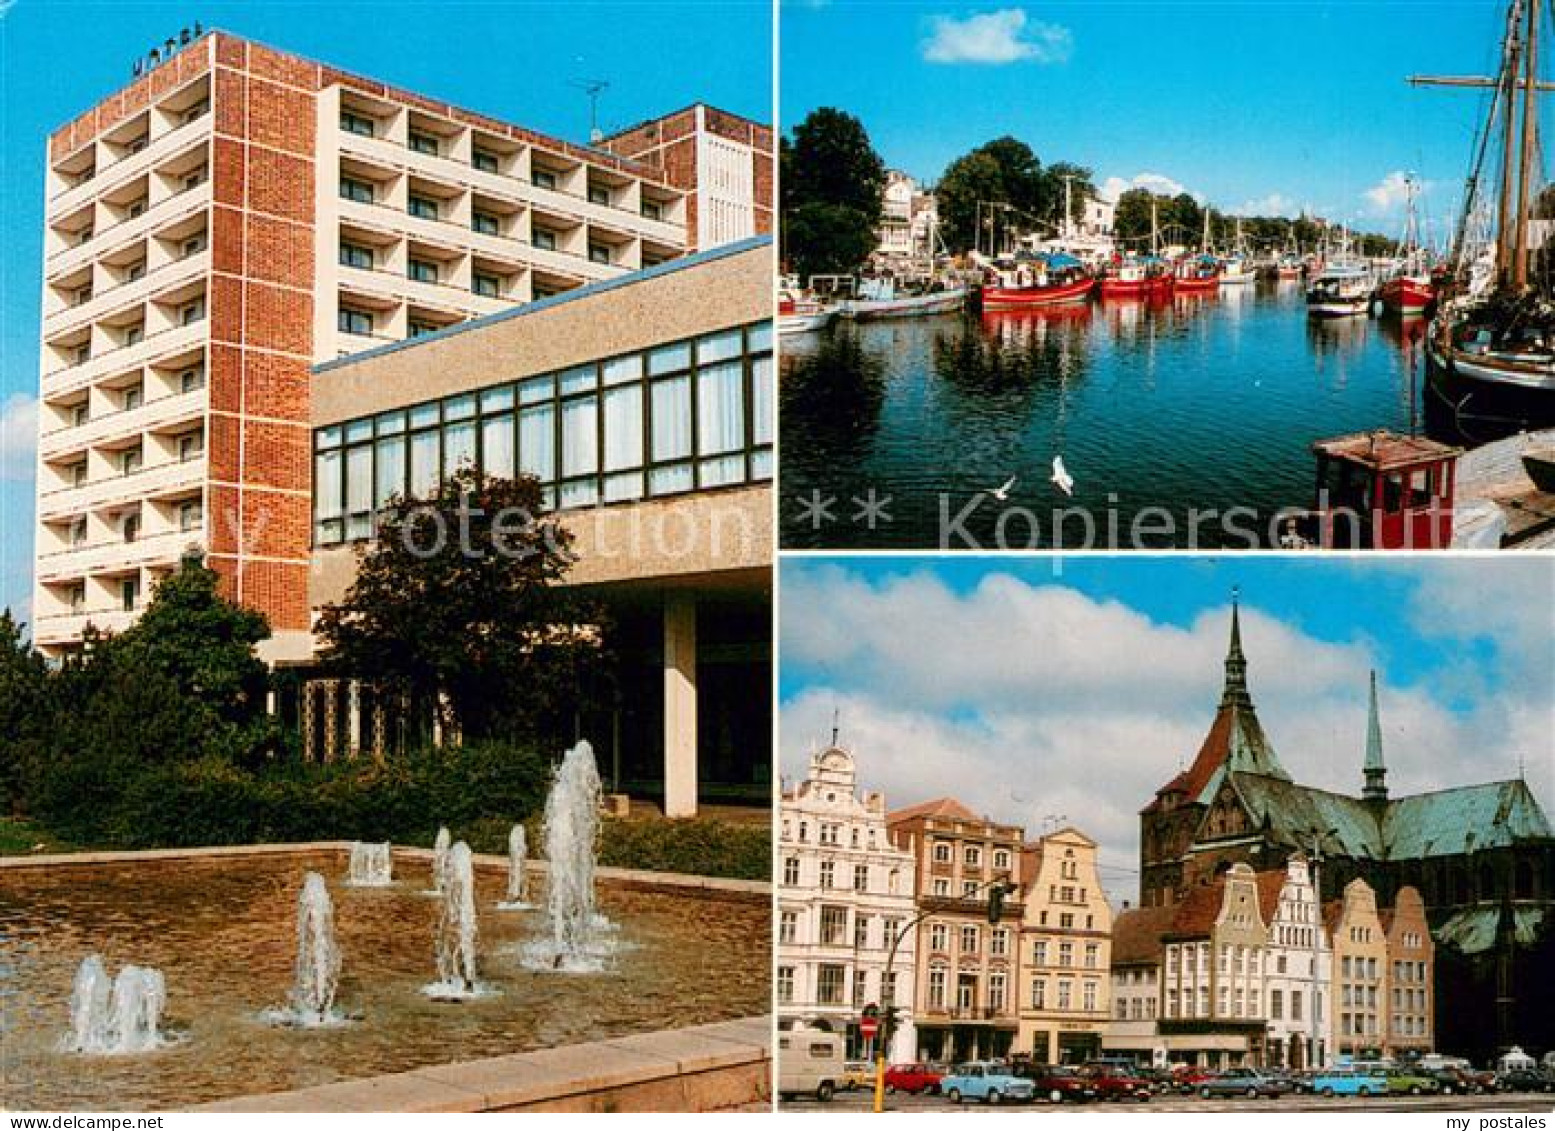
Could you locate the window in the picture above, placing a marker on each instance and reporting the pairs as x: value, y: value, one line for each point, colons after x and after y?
x: 81, y: 295
x: 135, y: 145
x: 83, y: 354
x: 423, y: 271
x: 544, y: 239
x: 861, y: 932
x: 1039, y: 953
x: 834, y: 925
x: 973, y: 856
x: 599, y: 253
x: 1039, y: 993
x: 942, y: 887
x: 791, y: 871
x: 1001, y: 859
x: 129, y: 461
x: 191, y: 312
x: 829, y: 982
x: 423, y: 207
x: 191, y: 445
x: 1088, y: 997
x: 354, y: 123
x: 132, y: 397
x: 354, y: 321
x: 488, y: 285
x: 136, y: 208
x: 77, y: 598
x: 420, y: 328
x: 191, y: 514
x: 939, y: 937
x: 941, y: 852
x: 1065, y: 993
x: 77, y: 532
x: 194, y: 178
x: 1092, y: 955
x: 1276, y: 1005
x: 193, y: 245
x: 358, y: 190
x: 828, y: 873
x: 651, y: 210
x: 424, y: 142
x: 785, y: 984
x: 484, y: 160
x: 196, y: 112
x: 861, y: 877
x: 999, y: 943
x: 80, y: 414
x: 937, y: 987
x: 969, y: 939
x: 191, y: 379
x: 78, y: 473
x: 543, y: 178
x: 599, y: 194
x: 134, y: 335
x: 355, y: 255
x: 485, y: 223
x: 129, y: 529
x: 1066, y: 954
x: 129, y: 593
x: 996, y: 983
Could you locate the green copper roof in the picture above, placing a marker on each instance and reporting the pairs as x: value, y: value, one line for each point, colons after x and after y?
x: 1473, y: 931
x: 1295, y: 814
x: 1374, y: 732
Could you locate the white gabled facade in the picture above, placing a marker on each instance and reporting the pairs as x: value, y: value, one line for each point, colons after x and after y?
x: 1299, y: 965
x: 845, y: 892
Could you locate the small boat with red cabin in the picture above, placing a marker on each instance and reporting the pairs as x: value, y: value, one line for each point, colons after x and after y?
x: 1135, y: 278
x: 1407, y: 294
x: 1199, y: 274
x: 1048, y: 280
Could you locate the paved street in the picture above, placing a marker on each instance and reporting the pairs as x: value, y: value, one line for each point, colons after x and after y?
x: 862, y: 1100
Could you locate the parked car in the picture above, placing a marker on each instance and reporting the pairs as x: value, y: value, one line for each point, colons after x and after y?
x: 1243, y: 1082
x: 857, y: 1074
x: 1158, y: 1078
x: 1411, y: 1082
x: 913, y: 1078
x: 810, y: 1062
x: 1057, y: 1084
x: 1524, y: 1080
x: 1453, y: 1081
x: 1113, y: 1082
x: 991, y: 1083
x: 1349, y: 1082
x: 1187, y: 1078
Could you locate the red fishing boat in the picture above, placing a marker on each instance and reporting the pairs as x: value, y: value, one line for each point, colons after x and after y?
x: 1200, y: 274
x: 1407, y: 294
x: 1135, y: 278
x: 1051, y: 280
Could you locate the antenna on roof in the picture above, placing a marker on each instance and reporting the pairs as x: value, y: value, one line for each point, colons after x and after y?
x: 593, y: 88
x: 834, y: 726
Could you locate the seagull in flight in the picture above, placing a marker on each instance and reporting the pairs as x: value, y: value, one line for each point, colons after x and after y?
x: 1003, y: 493
x: 1061, y: 477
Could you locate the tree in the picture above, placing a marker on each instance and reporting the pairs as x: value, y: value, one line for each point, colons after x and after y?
x: 457, y: 605
x: 23, y: 708
x: 1076, y: 191
x: 1004, y: 173
x: 833, y: 183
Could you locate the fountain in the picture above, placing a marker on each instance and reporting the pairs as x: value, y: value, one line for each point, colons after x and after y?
x: 518, y: 886
x: 575, y: 944
x: 456, y: 930
x: 116, y: 1019
x: 318, y: 956
x: 439, y: 859
x: 372, y: 865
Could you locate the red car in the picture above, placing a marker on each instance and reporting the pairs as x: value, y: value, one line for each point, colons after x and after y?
x: 1113, y: 1083
x: 912, y: 1079
x: 1188, y: 1080
x: 1059, y: 1085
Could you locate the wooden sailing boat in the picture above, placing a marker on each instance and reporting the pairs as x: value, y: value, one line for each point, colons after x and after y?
x: 1496, y: 335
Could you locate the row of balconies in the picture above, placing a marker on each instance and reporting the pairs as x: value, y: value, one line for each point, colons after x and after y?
x: 144, y: 271
x: 130, y: 336
x: 110, y: 415
x: 130, y: 148
x: 119, y: 243
x: 97, y: 220
x: 159, y: 465
x: 404, y: 139
x: 91, y: 547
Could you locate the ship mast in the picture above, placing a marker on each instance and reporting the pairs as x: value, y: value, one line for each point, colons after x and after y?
x: 1530, y: 132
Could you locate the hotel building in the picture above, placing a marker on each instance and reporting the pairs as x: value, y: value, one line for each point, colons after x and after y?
x: 236, y: 216
x: 846, y: 895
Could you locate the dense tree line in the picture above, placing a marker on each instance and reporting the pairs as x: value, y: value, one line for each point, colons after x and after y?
x: 1180, y: 220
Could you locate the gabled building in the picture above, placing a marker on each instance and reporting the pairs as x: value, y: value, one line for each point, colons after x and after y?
x: 1298, y: 968
x: 1065, y: 950
x: 1410, y: 1018
x: 1481, y: 856
x: 965, y: 997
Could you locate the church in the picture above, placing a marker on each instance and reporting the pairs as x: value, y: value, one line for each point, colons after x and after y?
x: 1482, y: 857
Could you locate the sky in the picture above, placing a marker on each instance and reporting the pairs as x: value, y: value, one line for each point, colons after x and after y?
x: 1259, y: 106
x: 513, y: 60
x: 1047, y: 695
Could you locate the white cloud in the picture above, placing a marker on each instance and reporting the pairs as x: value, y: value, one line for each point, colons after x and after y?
x: 997, y: 38
x: 1389, y: 195
x: 1158, y: 183
x: 1275, y: 204
x: 18, y: 437
x: 1028, y: 700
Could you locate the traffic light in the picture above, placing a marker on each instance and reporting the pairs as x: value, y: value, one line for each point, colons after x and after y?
x: 995, y: 903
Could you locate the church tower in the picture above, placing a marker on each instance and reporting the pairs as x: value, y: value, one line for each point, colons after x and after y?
x: 1376, y: 788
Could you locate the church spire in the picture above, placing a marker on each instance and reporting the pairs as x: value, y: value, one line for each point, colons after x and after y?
x: 1235, y: 693
x: 1375, y: 771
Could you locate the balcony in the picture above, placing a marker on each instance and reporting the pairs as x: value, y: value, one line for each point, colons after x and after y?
x: 170, y: 210
x: 60, y: 628
x: 396, y: 287
x: 117, y: 173
x: 156, y: 413
x: 114, y: 490
x: 117, y: 555
x: 111, y: 299
x: 148, y: 351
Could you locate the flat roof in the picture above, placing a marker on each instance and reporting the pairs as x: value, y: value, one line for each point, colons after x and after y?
x: 659, y: 270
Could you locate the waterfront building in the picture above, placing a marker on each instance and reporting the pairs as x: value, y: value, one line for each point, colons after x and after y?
x: 237, y: 215
x: 964, y: 989
x: 1481, y: 856
x: 1065, y: 951
x: 846, y: 895
x: 644, y: 407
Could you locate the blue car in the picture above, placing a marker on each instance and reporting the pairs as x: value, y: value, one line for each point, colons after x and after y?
x: 991, y: 1083
x: 1350, y: 1082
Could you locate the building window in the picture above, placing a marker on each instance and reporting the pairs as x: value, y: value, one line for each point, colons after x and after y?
x: 941, y: 852
x: 191, y: 379
x: 191, y: 514
x: 828, y: 873
x: 785, y: 984
x: 77, y: 535
x: 191, y: 312
x: 78, y: 473
x: 194, y: 179
x: 939, y: 937
x: 129, y: 461
x: 543, y: 178
x: 354, y: 321
x: 972, y: 856
x: 834, y: 925
x: 420, y: 328
x: 996, y: 982
x: 942, y: 887
x: 80, y: 414
x: 969, y: 939
x: 651, y: 210
x: 1001, y: 859
x: 937, y: 987
x: 194, y: 245
x: 136, y: 208
x: 1276, y: 1005
x: 861, y: 932
x: 861, y: 877
x: 132, y: 397
x: 423, y: 207
x: 129, y: 529
x: 196, y: 112
x: 544, y: 239
x: 599, y: 253
x: 829, y: 982
x: 352, y: 188
x: 424, y: 143
x: 355, y: 255
x: 1092, y: 955
x: 1088, y: 997
x: 1065, y: 993
x: 134, y: 335
x: 354, y: 123
x: 191, y: 445
x: 1066, y: 954
x: 484, y: 160
x: 129, y: 593
x: 999, y: 943
x: 423, y: 271
x: 488, y: 285
x: 485, y: 223
x: 791, y: 871
x: 1039, y: 993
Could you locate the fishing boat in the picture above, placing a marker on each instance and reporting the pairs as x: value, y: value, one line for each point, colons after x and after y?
x: 880, y: 299
x: 1196, y: 274
x: 1236, y: 269
x: 1135, y: 277
x: 1341, y: 290
x: 800, y: 313
x: 1287, y: 269
x: 1489, y: 350
x: 1409, y: 289
x: 1046, y: 280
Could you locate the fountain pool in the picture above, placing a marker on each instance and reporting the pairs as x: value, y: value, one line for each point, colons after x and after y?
x: 223, y: 930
